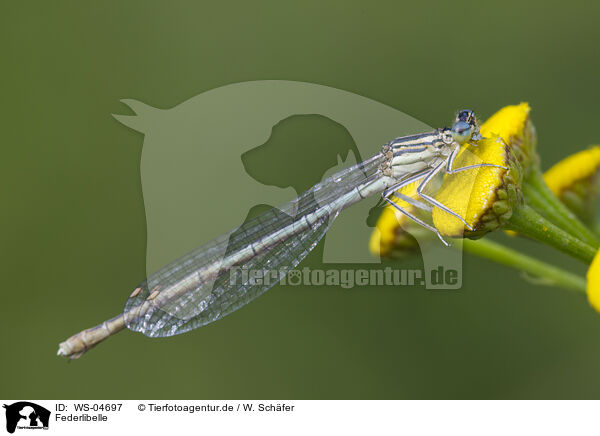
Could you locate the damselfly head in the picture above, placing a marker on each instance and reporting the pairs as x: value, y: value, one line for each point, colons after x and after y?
x: 465, y: 128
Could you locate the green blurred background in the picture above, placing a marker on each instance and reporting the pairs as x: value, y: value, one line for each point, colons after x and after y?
x: 73, y: 227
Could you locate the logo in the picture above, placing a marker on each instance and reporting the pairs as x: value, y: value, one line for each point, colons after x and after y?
x: 263, y: 143
x: 26, y: 415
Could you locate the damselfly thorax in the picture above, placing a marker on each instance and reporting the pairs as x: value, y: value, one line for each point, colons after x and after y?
x: 412, y: 154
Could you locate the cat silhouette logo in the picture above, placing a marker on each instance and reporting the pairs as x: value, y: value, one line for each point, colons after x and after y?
x: 26, y: 415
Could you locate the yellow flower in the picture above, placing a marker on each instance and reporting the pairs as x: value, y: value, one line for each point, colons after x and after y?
x: 575, y: 181
x: 593, y: 283
x: 485, y: 197
x: 575, y: 168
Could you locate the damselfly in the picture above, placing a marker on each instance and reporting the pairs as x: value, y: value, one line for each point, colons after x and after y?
x: 197, y: 289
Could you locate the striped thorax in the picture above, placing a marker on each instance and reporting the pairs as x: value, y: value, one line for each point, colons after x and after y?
x: 411, y: 154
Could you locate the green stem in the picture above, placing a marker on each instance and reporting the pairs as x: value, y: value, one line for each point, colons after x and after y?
x: 528, y: 222
x: 550, y: 274
x: 542, y: 199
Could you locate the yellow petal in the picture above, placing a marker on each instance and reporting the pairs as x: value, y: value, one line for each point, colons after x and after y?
x: 507, y: 122
x: 593, y: 283
x: 575, y: 168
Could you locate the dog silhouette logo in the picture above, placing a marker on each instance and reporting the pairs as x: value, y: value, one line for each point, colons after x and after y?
x: 26, y: 415
x: 211, y: 160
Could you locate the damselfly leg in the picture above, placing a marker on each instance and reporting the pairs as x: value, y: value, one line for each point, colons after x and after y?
x: 393, y: 191
x: 428, y: 178
x: 450, y: 170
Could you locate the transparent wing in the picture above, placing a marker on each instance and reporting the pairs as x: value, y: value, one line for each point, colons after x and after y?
x: 232, y: 270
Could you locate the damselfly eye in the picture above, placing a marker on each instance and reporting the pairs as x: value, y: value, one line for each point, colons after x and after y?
x: 466, y: 115
x: 462, y: 131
